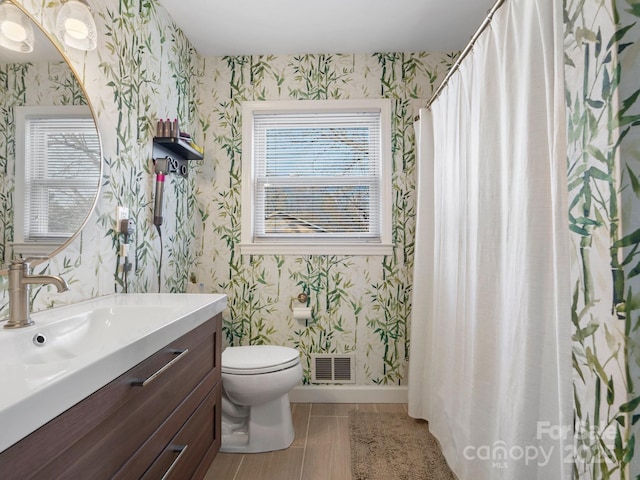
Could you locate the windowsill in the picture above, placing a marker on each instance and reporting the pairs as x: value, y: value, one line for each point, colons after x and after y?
x: 306, y: 248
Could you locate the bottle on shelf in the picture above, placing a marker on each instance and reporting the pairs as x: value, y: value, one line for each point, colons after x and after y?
x: 175, y: 133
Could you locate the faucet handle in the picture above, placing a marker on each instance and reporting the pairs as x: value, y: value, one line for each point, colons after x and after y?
x: 35, y: 259
x: 29, y: 261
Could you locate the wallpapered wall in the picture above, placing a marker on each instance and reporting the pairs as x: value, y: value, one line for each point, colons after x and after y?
x: 601, y: 67
x: 360, y: 304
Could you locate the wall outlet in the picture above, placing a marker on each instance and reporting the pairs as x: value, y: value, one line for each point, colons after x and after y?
x: 122, y: 213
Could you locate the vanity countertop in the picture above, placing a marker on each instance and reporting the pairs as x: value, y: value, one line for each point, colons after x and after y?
x: 72, y: 351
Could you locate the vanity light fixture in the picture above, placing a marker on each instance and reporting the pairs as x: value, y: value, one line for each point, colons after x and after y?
x: 75, y: 25
x: 16, y: 33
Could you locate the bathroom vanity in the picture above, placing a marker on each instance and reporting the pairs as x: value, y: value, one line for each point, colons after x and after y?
x: 158, y: 419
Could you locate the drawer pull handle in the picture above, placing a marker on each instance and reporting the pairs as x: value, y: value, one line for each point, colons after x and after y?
x: 144, y: 383
x: 179, y: 450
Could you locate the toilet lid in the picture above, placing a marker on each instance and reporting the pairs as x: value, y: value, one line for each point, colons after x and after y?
x: 254, y: 359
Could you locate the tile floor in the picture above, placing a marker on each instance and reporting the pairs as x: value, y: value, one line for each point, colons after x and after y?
x: 320, y: 451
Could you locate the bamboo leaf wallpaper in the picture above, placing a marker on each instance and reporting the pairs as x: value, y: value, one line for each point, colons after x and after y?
x: 601, y: 71
x: 359, y: 304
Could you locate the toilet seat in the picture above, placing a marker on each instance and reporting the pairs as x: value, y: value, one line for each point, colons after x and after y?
x: 257, y: 359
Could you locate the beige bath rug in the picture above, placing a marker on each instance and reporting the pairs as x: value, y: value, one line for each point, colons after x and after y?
x: 393, y: 446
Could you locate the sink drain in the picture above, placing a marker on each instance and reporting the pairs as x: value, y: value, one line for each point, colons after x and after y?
x: 39, y: 339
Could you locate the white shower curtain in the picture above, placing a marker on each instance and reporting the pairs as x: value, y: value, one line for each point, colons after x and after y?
x: 490, y: 360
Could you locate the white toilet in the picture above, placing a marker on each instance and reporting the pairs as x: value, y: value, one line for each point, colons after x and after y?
x: 256, y: 380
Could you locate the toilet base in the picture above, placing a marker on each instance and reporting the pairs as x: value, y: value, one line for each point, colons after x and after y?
x: 267, y: 427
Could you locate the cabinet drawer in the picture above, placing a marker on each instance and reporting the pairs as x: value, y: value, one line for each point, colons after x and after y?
x: 182, y: 456
x: 96, y: 437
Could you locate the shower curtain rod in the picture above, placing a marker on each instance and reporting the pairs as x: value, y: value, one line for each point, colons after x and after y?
x: 466, y: 51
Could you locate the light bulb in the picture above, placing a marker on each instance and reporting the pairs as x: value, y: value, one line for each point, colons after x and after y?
x: 75, y: 25
x: 76, y: 29
x: 14, y: 31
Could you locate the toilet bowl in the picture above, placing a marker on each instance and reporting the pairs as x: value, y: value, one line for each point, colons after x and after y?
x: 256, y: 380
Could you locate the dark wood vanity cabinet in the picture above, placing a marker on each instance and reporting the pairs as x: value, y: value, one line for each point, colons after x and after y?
x: 159, y: 420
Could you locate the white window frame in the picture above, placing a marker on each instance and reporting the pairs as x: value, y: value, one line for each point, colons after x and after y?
x: 308, y: 246
x: 37, y: 246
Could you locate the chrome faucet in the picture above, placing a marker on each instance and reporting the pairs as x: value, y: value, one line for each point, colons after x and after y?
x: 20, y: 281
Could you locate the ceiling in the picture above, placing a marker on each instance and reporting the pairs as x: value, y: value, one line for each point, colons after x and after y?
x: 259, y: 27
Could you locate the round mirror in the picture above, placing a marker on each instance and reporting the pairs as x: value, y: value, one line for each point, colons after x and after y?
x: 50, y: 150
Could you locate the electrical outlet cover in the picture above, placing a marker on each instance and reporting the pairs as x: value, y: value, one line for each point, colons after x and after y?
x: 122, y: 213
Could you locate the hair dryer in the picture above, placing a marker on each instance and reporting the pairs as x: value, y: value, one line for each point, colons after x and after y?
x: 157, y: 206
x: 161, y: 167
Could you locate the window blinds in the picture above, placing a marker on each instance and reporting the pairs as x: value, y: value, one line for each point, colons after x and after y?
x: 317, y: 175
x: 62, y: 161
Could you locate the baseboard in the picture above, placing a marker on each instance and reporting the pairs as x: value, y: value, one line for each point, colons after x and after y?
x: 348, y: 394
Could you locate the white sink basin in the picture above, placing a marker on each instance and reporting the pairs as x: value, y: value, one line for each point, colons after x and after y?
x: 73, y: 351
x: 81, y: 335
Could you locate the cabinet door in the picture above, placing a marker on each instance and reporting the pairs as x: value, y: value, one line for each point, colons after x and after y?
x: 182, y: 456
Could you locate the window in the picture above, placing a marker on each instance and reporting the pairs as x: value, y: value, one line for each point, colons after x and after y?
x: 316, y: 177
x: 57, y: 163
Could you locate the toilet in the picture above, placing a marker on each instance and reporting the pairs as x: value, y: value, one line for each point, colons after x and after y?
x: 256, y: 380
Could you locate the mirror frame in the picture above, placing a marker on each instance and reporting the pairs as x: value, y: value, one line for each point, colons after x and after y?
x: 56, y: 43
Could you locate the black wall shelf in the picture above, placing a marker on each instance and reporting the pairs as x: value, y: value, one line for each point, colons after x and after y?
x: 179, y: 147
